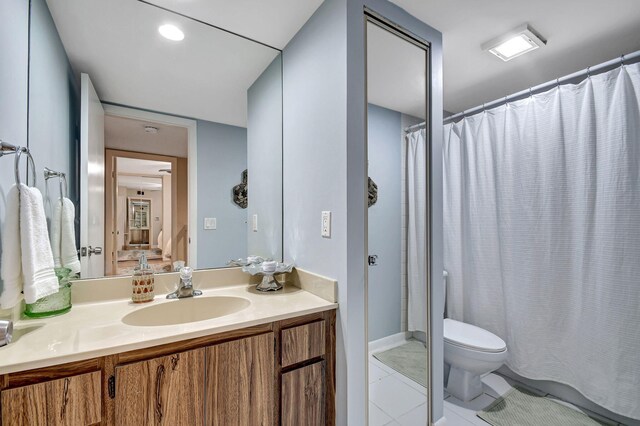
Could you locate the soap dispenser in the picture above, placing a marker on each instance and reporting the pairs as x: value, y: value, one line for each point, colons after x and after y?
x: 142, y: 283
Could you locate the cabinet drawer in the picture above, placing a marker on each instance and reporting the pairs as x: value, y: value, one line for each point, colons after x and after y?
x: 302, y: 343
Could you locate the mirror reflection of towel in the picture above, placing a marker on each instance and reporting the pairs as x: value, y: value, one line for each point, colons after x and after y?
x: 63, y: 236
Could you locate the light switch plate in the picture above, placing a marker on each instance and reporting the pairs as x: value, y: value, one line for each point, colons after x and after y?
x: 210, y: 223
x: 326, y: 224
x: 254, y: 223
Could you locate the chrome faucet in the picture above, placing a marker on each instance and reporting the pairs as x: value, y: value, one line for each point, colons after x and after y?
x: 185, y: 286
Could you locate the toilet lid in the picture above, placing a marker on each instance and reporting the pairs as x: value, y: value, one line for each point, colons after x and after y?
x: 469, y: 336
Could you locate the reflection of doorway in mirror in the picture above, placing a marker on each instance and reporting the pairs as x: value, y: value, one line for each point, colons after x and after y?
x: 146, y: 195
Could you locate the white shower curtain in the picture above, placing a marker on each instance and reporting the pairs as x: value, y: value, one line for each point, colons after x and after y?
x: 542, y: 233
x: 416, y: 230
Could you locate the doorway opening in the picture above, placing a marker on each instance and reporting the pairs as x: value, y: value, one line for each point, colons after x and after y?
x: 146, y: 195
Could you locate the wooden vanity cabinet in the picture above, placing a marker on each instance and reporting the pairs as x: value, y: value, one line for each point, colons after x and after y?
x: 307, y: 371
x: 303, y: 395
x: 280, y: 373
x: 166, y: 390
x: 73, y: 400
x: 240, y: 382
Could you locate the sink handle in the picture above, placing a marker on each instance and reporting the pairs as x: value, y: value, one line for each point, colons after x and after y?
x: 186, y: 273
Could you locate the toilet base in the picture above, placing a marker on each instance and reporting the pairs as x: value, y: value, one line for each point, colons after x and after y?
x: 463, y: 385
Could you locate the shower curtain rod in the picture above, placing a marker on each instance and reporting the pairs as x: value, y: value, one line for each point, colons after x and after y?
x: 631, y: 57
x: 415, y: 127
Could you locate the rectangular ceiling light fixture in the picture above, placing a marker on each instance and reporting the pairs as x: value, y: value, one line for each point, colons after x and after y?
x: 515, y: 43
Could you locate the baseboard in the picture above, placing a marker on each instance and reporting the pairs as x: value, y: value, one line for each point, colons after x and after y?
x: 389, y: 342
x: 441, y: 422
x: 419, y: 335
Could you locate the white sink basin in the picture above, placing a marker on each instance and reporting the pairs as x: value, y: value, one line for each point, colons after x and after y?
x: 186, y: 310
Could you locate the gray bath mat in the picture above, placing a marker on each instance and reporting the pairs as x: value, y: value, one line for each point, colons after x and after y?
x: 520, y: 407
x: 409, y: 360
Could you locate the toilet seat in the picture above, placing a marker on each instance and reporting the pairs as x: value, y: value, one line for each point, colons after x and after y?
x: 471, y: 337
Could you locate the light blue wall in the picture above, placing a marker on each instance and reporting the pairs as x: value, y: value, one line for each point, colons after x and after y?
x: 14, y: 55
x: 53, y: 106
x: 385, y: 222
x: 221, y: 157
x: 264, y: 157
x: 52, y: 98
x: 315, y: 163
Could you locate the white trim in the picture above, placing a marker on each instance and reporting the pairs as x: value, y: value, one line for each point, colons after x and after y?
x: 389, y: 341
x: 192, y: 136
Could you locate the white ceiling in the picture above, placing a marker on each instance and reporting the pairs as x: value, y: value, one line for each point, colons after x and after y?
x: 117, y: 43
x: 129, y: 135
x: 135, y: 166
x: 580, y: 33
x: 272, y: 22
x: 140, y: 183
x: 206, y: 76
x: 396, y: 72
x: 137, y: 174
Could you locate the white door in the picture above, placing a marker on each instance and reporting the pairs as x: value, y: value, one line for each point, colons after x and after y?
x: 91, y: 181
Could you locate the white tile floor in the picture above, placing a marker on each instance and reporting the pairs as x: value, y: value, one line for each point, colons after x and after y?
x: 397, y: 400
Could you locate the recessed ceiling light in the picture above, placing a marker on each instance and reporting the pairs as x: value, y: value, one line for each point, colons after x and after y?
x: 515, y: 43
x: 171, y: 32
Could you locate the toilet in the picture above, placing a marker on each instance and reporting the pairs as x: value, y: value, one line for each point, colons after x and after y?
x: 469, y: 353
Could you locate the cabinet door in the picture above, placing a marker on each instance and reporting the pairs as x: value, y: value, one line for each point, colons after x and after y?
x: 240, y: 382
x: 74, y: 400
x: 161, y: 391
x: 303, y: 396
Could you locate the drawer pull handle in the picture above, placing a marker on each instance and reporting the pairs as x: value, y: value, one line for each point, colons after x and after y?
x: 159, y: 375
x: 65, y: 398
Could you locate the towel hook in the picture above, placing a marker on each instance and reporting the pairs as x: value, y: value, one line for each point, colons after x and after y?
x: 62, y: 178
x: 622, y: 59
x: 589, y: 72
x: 19, y: 151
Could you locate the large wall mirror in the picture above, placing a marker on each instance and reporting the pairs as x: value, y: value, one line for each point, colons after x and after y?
x: 169, y: 131
x: 398, y: 217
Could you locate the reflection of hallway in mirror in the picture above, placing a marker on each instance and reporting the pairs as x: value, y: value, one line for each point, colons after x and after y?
x: 143, y: 212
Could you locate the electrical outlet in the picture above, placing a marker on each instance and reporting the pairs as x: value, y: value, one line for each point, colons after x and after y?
x: 210, y: 223
x: 254, y: 223
x: 326, y: 224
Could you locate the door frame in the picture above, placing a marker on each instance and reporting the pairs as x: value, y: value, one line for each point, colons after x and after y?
x: 192, y: 166
x: 110, y: 202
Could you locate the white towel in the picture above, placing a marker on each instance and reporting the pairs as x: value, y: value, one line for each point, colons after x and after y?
x: 56, y: 234
x: 11, y: 253
x: 30, y: 248
x: 37, y: 260
x: 63, y: 236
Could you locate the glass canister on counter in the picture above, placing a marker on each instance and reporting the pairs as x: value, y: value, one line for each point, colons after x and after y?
x: 55, y: 304
x: 142, y: 282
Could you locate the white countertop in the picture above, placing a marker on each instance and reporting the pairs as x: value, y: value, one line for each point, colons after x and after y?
x: 96, y: 329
